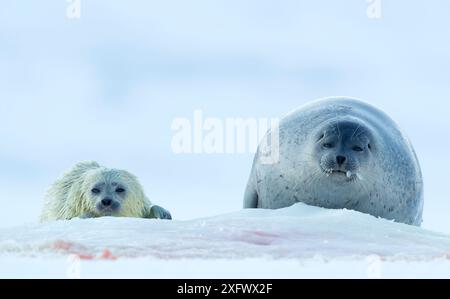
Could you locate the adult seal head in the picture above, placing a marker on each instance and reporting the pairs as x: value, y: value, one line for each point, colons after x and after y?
x: 340, y: 153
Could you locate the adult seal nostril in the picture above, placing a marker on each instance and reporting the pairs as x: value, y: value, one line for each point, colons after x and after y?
x: 340, y: 153
x: 340, y: 160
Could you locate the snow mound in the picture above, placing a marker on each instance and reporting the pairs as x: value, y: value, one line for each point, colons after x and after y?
x: 299, y: 232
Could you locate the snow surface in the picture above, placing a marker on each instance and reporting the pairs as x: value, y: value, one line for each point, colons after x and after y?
x: 299, y: 241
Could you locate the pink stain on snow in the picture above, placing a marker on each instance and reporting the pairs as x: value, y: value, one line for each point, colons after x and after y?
x: 80, y: 251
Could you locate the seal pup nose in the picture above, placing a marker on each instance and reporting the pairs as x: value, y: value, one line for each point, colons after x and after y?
x: 107, y: 202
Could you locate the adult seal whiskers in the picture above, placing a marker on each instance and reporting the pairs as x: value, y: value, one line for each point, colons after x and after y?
x: 340, y: 153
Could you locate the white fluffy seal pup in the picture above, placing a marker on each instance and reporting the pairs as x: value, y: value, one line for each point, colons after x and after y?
x: 89, y: 190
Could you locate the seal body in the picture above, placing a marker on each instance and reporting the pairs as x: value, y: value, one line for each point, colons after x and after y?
x: 340, y: 153
x: 89, y: 190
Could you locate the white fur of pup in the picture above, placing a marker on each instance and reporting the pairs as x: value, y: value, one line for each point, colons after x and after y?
x: 70, y: 196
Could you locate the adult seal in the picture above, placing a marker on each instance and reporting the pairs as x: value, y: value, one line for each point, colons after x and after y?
x: 340, y: 153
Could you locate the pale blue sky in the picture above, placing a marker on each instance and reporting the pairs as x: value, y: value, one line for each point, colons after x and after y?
x: 107, y: 87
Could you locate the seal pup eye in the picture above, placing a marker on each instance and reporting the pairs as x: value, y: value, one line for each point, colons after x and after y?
x: 120, y: 190
x: 358, y: 149
x: 327, y: 145
x: 95, y: 191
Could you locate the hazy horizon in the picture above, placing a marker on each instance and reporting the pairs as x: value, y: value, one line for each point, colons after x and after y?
x: 107, y: 87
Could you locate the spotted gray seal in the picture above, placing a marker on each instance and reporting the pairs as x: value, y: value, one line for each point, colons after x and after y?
x: 340, y: 153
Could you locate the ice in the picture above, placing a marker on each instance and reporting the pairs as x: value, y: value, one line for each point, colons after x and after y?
x: 300, y: 233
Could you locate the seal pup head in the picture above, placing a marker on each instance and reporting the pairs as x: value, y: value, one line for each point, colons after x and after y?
x: 112, y: 192
x: 343, y: 149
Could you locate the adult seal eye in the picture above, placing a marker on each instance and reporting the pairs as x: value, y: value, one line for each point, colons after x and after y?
x: 357, y: 149
x: 120, y: 190
x: 96, y: 191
